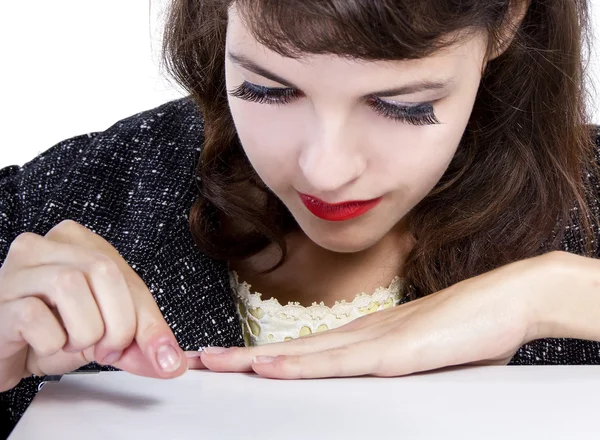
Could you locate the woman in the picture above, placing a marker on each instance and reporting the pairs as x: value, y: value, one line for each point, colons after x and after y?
x: 432, y: 157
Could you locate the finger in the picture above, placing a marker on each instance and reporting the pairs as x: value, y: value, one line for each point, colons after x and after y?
x: 358, y: 359
x: 73, y: 241
x: 239, y: 359
x: 60, y: 362
x: 30, y: 250
x: 132, y: 360
x: 109, y: 297
x: 57, y: 361
x: 66, y: 288
x: 135, y: 361
x: 115, y: 302
x: 30, y: 321
x: 25, y: 322
x: 153, y: 335
x: 194, y: 362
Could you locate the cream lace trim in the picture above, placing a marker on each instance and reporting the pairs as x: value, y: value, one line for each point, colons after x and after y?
x: 266, y: 321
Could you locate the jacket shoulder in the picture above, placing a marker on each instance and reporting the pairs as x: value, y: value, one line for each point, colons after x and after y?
x: 180, y: 118
x: 153, y: 148
x: 177, y: 123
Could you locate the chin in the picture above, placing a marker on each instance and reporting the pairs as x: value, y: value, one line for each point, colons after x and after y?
x: 342, y: 242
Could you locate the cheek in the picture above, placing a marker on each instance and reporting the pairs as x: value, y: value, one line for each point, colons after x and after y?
x: 414, y: 157
x: 269, y: 138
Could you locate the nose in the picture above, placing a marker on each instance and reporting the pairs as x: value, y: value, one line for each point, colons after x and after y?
x: 332, y: 160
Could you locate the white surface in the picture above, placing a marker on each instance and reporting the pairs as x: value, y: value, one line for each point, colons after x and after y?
x: 482, y: 403
x: 69, y: 67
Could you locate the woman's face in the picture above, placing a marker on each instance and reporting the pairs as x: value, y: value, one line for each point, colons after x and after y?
x: 332, y: 130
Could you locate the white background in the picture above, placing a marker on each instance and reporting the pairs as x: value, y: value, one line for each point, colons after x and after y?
x: 70, y: 67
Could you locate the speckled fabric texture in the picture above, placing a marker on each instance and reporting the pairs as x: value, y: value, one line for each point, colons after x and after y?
x: 134, y: 184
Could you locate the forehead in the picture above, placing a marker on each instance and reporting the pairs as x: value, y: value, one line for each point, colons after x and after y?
x: 447, y: 62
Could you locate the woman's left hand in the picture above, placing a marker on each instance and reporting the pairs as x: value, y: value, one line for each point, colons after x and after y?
x: 482, y: 320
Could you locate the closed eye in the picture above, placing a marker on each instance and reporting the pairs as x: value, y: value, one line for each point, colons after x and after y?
x: 265, y: 95
x: 421, y: 114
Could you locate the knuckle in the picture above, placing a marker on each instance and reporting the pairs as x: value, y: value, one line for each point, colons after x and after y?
x: 66, y: 280
x: 87, y: 355
x: 86, y: 336
x: 384, y: 367
x: 36, y: 371
x: 67, y: 225
x: 149, y: 329
x: 337, y: 361
x: 398, y: 359
x: 51, y: 347
x: 96, y: 333
x: 23, y: 243
x: 121, y: 338
x: 30, y: 311
x: 103, y: 266
x: 33, y: 365
x: 339, y: 357
x: 291, y: 367
x: 66, y: 228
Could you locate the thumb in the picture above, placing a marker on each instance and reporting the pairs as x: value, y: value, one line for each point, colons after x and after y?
x: 154, y: 339
x: 134, y: 361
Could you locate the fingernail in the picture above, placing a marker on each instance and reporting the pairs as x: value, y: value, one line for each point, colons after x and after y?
x: 111, y: 358
x: 192, y: 354
x: 215, y: 350
x: 168, y: 358
x: 263, y: 359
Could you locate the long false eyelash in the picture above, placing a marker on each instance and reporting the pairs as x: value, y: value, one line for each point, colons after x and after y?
x: 264, y: 95
x: 417, y: 115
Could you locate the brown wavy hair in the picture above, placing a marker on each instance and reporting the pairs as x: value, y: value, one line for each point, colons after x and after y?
x: 518, y: 178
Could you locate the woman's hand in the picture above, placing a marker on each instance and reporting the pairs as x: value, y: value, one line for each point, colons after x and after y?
x: 69, y: 298
x: 483, y: 320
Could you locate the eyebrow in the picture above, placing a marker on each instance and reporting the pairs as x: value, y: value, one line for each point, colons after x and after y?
x: 407, y: 89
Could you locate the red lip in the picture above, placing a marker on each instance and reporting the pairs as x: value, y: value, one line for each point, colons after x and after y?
x: 339, y: 211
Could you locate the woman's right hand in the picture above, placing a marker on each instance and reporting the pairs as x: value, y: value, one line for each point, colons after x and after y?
x: 68, y: 298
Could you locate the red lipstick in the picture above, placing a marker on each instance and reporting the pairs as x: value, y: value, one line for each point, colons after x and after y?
x: 339, y: 211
